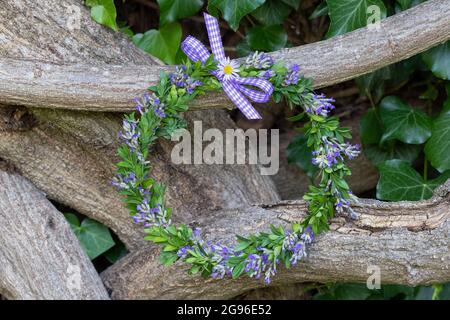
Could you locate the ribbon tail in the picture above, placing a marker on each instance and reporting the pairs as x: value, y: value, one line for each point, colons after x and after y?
x: 215, y: 41
x: 240, y: 101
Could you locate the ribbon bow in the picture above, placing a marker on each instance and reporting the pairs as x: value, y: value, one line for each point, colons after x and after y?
x: 233, y: 85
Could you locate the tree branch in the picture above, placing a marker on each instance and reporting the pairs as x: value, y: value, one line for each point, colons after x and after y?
x: 408, y: 241
x: 87, y: 86
x: 40, y: 257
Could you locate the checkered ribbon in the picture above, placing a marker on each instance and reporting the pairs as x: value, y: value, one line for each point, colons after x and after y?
x: 234, y: 88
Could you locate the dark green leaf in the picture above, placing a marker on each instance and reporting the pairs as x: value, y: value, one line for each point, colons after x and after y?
x: 172, y: 10
x: 72, y: 220
x: 116, y: 252
x: 93, y: 236
x: 351, y: 291
x: 399, y: 181
x: 438, y: 60
x: 437, y: 148
x: 272, y: 12
x: 293, y: 3
x: 269, y: 38
x: 349, y: 15
x: 299, y: 153
x: 371, y: 127
x: 162, y: 43
x: 238, y: 270
x: 320, y: 11
x: 404, y: 123
x: 234, y: 10
x: 398, y: 150
x: 372, y: 84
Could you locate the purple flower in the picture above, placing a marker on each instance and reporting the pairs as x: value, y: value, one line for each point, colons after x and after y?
x: 320, y: 105
x: 181, y: 79
x: 183, y: 251
x: 268, y: 74
x: 258, y: 60
x: 292, y: 76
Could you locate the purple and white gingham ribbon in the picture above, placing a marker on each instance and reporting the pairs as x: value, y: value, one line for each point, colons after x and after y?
x: 234, y: 88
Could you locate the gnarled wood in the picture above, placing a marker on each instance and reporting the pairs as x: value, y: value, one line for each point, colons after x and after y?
x: 98, y: 87
x: 40, y: 257
x: 408, y: 241
x: 71, y: 155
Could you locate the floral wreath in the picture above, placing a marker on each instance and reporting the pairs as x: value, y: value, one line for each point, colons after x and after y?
x: 158, y: 115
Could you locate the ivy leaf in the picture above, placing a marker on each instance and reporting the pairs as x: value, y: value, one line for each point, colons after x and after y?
x: 399, y: 181
x: 372, y: 84
x: 403, y: 123
x: 162, y: 43
x: 397, y: 150
x: 349, y: 15
x: 272, y: 12
x: 103, y: 12
x: 320, y: 11
x: 116, y: 252
x: 234, y: 10
x: 93, y: 236
x: 299, y: 153
x: 268, y: 38
x: 172, y: 10
x: 370, y: 127
x: 438, y: 60
x: 437, y: 149
x: 293, y: 3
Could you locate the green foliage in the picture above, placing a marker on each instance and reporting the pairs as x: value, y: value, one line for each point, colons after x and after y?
x: 349, y: 15
x: 172, y: 10
x: 234, y: 10
x: 93, y: 236
x: 320, y: 11
x: 162, y: 43
x: 437, y: 148
x: 272, y: 12
x: 103, y: 12
x: 403, y: 123
x: 359, y: 291
x: 438, y: 60
x: 268, y: 38
x: 399, y: 181
x: 378, y: 154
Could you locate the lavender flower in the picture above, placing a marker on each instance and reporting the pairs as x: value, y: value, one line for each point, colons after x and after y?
x: 183, y: 251
x: 320, y: 105
x: 129, y: 133
x: 292, y: 76
x: 258, y: 60
x: 181, y: 79
x: 125, y: 182
x: 268, y: 74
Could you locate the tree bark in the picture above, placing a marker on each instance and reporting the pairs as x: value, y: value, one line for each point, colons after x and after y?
x: 112, y: 87
x: 408, y: 241
x: 70, y: 155
x: 40, y: 257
